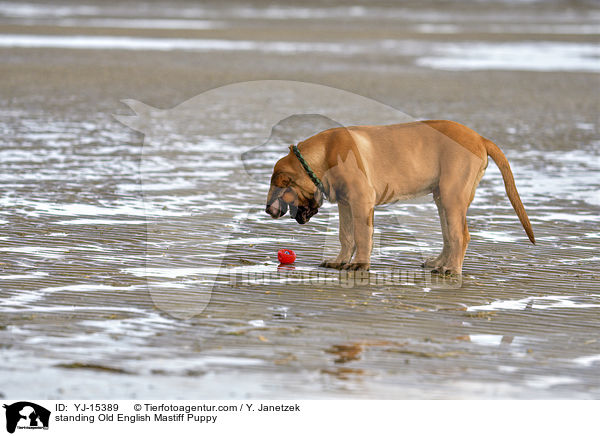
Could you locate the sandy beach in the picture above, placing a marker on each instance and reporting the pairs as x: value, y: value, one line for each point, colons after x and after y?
x: 105, y: 228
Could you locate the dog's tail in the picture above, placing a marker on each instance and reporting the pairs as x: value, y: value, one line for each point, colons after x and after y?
x: 509, y: 184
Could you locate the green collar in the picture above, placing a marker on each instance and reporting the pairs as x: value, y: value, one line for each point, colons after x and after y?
x: 308, y: 170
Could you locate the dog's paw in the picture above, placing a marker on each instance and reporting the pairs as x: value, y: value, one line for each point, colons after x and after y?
x: 446, y: 271
x: 432, y: 262
x: 334, y: 265
x: 356, y: 266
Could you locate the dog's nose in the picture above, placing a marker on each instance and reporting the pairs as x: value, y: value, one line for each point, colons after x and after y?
x: 277, y: 208
x: 273, y: 209
x: 270, y: 211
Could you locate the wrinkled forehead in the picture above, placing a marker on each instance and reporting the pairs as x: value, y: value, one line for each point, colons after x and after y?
x: 285, y: 164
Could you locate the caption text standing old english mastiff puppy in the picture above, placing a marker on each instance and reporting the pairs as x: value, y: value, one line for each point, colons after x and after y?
x: 361, y: 167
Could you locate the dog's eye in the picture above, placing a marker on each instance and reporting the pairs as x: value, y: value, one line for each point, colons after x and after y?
x: 282, y: 180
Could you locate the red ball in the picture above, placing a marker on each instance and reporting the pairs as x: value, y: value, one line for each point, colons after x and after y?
x: 286, y: 256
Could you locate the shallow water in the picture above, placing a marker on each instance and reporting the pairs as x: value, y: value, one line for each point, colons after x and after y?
x: 146, y: 267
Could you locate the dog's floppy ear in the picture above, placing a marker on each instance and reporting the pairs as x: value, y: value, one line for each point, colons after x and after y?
x: 291, y: 148
x: 319, y: 197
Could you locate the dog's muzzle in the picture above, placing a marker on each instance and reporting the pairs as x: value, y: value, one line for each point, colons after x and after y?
x: 302, y: 214
x: 277, y: 208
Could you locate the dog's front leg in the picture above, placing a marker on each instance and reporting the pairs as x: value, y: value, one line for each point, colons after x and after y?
x: 362, y: 223
x: 346, y: 235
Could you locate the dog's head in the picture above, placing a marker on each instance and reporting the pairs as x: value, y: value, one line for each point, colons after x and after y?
x: 292, y: 189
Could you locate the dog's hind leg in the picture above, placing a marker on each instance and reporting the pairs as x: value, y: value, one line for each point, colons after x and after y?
x: 466, y: 234
x: 455, y: 197
x: 456, y: 191
x: 466, y: 239
x: 457, y: 236
x: 435, y: 262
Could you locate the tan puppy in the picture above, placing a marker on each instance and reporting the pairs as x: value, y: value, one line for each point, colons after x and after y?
x: 361, y: 167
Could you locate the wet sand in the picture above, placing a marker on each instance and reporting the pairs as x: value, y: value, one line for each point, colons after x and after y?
x: 78, y: 298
